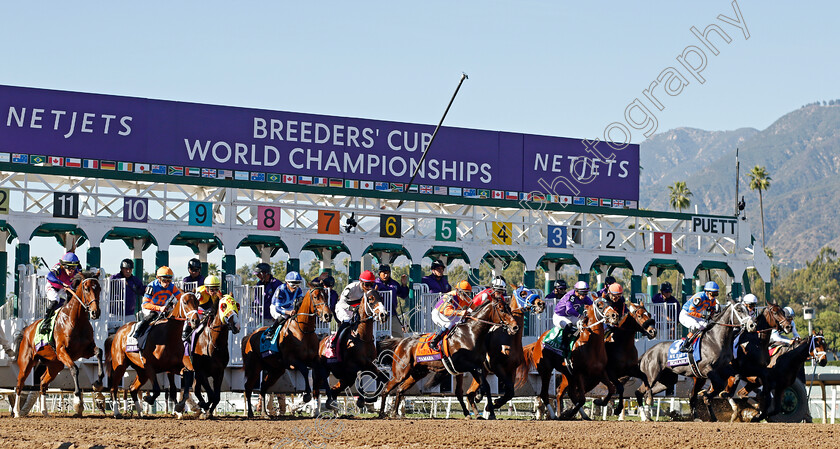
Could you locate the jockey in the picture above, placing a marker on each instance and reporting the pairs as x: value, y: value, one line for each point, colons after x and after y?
x: 696, y: 312
x: 284, y: 299
x: 208, y: 295
x: 605, y: 292
x: 569, y: 310
x: 263, y: 272
x: 449, y: 309
x: 328, y: 282
x: 777, y: 337
x: 194, y: 267
x: 615, y: 298
x: 437, y: 282
x: 750, y: 301
x: 346, y: 309
x: 156, y: 300
x: 560, y: 287
x: 497, y: 290
x: 59, y: 279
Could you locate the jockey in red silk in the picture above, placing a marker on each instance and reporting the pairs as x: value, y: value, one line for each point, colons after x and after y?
x: 59, y: 278
x: 497, y: 290
x: 697, y: 311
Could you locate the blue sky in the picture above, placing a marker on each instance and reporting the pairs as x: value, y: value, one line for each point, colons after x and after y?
x: 554, y: 68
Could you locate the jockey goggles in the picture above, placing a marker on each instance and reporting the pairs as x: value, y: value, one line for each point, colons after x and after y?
x: 368, y: 284
x: 713, y: 294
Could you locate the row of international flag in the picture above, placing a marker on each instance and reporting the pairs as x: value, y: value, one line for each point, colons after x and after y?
x: 315, y: 181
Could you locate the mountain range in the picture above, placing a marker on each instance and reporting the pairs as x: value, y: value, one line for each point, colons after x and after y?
x: 801, y: 152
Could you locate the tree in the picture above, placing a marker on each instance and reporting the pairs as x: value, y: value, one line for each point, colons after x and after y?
x: 679, y: 196
x: 760, y: 180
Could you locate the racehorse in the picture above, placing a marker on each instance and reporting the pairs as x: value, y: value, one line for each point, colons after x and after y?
x: 297, y: 343
x: 716, y: 355
x: 589, y: 361
x: 468, y: 348
x: 622, y: 355
x: 73, y: 337
x: 752, y: 359
x: 357, y: 352
x: 164, y: 352
x: 504, y: 351
x: 785, y: 364
x: 210, y: 356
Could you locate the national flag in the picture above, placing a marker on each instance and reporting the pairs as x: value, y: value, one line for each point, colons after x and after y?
x: 141, y: 168
x: 193, y: 171
x: 176, y: 170
x: 628, y: 204
x: 396, y: 187
x: 470, y: 193
x: 511, y: 195
x: 108, y: 165
x: 350, y: 184
x: 241, y: 175
x: 224, y: 174
x: 335, y: 182
x: 91, y: 163
x: 37, y: 160
x: 125, y: 166
x: 454, y: 191
x: 257, y: 176
x: 414, y: 188
x: 498, y: 195
x: 274, y: 177
x: 305, y: 180
x: 382, y: 186
x: 484, y: 193
x: 20, y: 158
x: 158, y: 169
x: 56, y: 161
x: 208, y: 172
x: 440, y: 190
x: 72, y: 162
x: 366, y: 185
x: 579, y: 201
x: 606, y: 202
x: 565, y: 199
x: 591, y: 201
x: 538, y: 197
x: 426, y: 190
x: 618, y: 204
x: 289, y: 179
x: 5, y: 157
x: 524, y: 196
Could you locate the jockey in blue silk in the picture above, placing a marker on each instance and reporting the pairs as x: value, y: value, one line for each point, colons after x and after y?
x: 59, y: 279
x: 270, y: 284
x: 158, y: 297
x: 697, y: 311
x: 283, y: 301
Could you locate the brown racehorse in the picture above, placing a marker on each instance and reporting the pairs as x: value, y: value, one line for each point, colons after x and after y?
x: 298, y: 346
x: 164, y: 351
x: 504, y: 351
x: 358, y: 352
x: 468, y: 349
x: 73, y: 337
x: 589, y: 360
x: 210, y: 356
x: 622, y: 355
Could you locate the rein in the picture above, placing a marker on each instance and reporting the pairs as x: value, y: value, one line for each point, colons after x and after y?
x: 86, y: 306
x: 314, y: 306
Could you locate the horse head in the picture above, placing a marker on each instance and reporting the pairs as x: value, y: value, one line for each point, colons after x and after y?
x: 530, y: 300
x: 229, y: 313
x: 737, y: 314
x: 318, y: 296
x: 372, y: 307
x: 819, y: 348
x: 87, y: 290
x: 498, y: 311
x: 775, y: 317
x: 640, y: 315
x: 184, y: 308
x: 601, y: 309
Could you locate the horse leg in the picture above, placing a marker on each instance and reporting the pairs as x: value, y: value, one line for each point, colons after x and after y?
x: 545, y: 377
x: 25, y: 366
x: 471, y: 395
x: 139, y: 381
x: 217, y: 393
x: 270, y: 377
x: 459, y: 393
x: 114, y: 383
x: 508, y: 384
x: 489, y: 411
x: 404, y: 386
x: 53, y: 368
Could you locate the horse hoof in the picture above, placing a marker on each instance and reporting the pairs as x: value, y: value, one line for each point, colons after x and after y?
x: 307, y: 397
x: 599, y: 402
x: 179, y: 407
x: 148, y: 399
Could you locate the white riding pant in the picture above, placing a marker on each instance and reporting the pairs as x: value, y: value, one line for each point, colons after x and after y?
x: 56, y: 295
x: 344, y: 311
x: 691, y: 322
x: 443, y: 321
x: 562, y: 321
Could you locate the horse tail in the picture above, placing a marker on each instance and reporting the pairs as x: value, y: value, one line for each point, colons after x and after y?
x: 109, y: 343
x: 525, y: 367
x: 388, y: 344
x: 16, y: 345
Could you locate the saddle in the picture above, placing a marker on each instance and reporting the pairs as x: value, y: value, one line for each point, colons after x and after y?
x: 269, y: 340
x: 138, y: 344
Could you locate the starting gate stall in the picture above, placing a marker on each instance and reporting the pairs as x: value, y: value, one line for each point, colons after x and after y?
x: 219, y: 178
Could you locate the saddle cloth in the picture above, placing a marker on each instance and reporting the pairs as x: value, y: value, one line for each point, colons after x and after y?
x: 42, y: 340
x: 678, y: 358
x: 424, y: 352
x: 553, y: 341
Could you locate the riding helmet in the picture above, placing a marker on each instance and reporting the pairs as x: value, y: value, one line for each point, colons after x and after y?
x: 384, y: 268
x: 666, y: 287
x: 609, y: 280
x: 367, y: 276
x: 127, y: 263
x: 262, y: 267
x: 212, y: 281
x: 164, y: 271
x: 293, y: 277
x: 561, y: 284
x: 711, y: 286
x: 70, y: 259
x: 616, y: 288
x: 749, y: 298
x: 437, y: 264
x: 582, y: 286
x: 194, y: 264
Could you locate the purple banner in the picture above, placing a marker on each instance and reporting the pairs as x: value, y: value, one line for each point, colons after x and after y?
x: 284, y: 146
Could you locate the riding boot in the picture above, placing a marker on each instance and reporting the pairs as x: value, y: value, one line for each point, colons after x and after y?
x: 435, y: 343
x: 45, y: 325
x: 569, y: 332
x: 686, y: 347
x: 143, y: 325
x: 343, y: 325
x: 185, y: 335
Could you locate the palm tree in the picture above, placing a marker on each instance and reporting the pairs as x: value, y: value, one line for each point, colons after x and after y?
x: 760, y: 180
x: 679, y: 196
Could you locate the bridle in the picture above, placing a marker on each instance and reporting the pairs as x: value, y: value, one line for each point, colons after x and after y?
x: 498, y: 314
x: 85, y: 305
x: 313, y: 306
x: 633, y: 308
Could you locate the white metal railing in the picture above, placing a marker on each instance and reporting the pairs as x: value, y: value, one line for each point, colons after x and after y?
x: 186, y: 286
x: 541, y: 322
x: 112, y: 302
x: 666, y: 316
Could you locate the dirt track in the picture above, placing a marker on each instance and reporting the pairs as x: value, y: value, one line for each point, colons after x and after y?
x: 98, y: 432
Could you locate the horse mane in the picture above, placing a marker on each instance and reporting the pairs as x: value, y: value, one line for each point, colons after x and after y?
x: 81, y: 276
